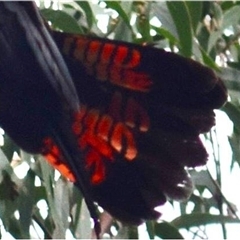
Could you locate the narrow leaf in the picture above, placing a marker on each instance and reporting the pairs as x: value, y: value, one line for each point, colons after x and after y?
x: 208, y: 60
x: 198, y: 219
x: 233, y: 113
x: 166, y: 230
x: 231, y: 78
x: 62, y: 20
x: 181, y: 18
x: 118, y: 8
x: 165, y: 33
x: 26, y: 203
x: 142, y: 21
x: 150, y: 229
x: 160, y: 10
x: 195, y: 12
x: 231, y: 17
x: 88, y: 11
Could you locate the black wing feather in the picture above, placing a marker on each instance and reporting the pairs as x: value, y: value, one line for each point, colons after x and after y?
x: 179, y: 104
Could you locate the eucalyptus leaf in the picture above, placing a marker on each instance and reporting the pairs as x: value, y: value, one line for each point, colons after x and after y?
x: 88, y: 11
x: 62, y: 20
x: 180, y: 14
x: 231, y: 17
x: 234, y: 141
x: 167, y: 230
x: 231, y: 78
x: 26, y: 204
x: 61, y: 202
x: 150, y: 229
x: 118, y: 8
x: 160, y: 10
x: 198, y: 219
x: 233, y: 113
x: 203, y: 178
x: 195, y: 9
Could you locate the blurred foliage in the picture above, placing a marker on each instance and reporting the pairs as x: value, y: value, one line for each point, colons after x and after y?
x: 40, y: 204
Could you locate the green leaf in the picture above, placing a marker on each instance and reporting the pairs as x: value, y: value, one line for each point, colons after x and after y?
x: 203, y: 178
x: 181, y: 18
x: 231, y: 78
x: 118, y: 8
x: 88, y: 11
x: 127, y: 232
x: 61, y: 203
x: 46, y: 225
x: 231, y: 17
x: 8, y: 201
x: 14, y: 228
x: 203, y: 37
x: 9, y: 147
x: 75, y: 206
x: 233, y: 113
x: 122, y: 31
x: 133, y: 232
x: 234, y: 65
x: 234, y: 141
x: 142, y: 21
x: 40, y: 193
x: 217, y: 14
x: 166, y: 34
x: 150, y: 229
x: 198, y: 219
x: 208, y: 60
x: 84, y: 222
x: 4, y: 165
x: 26, y: 201
x: 62, y: 20
x: 8, y: 188
x: 48, y: 181
x: 167, y: 230
x: 195, y: 9
x: 160, y: 10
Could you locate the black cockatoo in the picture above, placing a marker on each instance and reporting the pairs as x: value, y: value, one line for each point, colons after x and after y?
x: 124, y: 127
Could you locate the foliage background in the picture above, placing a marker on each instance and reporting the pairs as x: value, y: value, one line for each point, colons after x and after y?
x: 35, y: 202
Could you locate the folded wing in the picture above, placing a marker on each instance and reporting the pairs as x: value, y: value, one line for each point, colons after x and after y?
x: 139, y: 131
